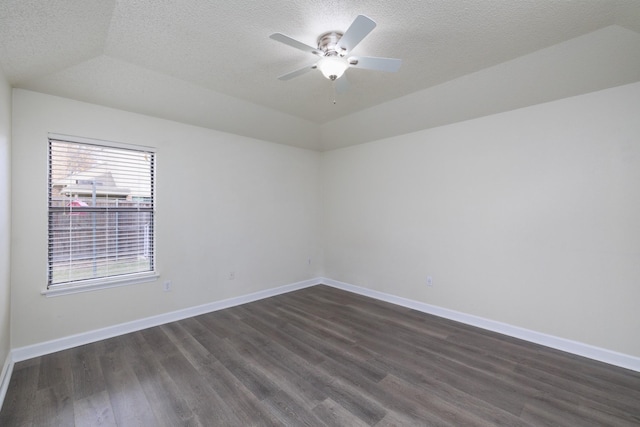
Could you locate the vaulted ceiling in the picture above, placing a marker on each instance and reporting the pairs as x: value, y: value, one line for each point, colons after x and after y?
x: 212, y: 63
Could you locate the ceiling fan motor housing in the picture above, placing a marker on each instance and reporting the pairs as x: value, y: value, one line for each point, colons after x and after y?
x: 328, y: 41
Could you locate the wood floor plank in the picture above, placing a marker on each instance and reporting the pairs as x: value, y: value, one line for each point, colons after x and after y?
x: 164, y: 396
x: 236, y: 397
x: 53, y: 404
x: 277, y: 334
x: 293, y: 371
x: 54, y: 370
x: 252, y: 378
x: 351, y: 398
x: 548, y: 411
x: 578, y: 393
x: 202, y: 399
x: 385, y: 397
x: 502, y: 392
x: 163, y: 348
x: 318, y: 356
x: 395, y: 419
x: 86, y: 372
x: 128, y: 399
x: 332, y: 414
x: 439, y: 385
x: 16, y: 409
x: 348, y: 356
x: 358, y: 405
x: 290, y: 410
x: 206, y: 405
x: 94, y: 410
x: 471, y: 412
x: 239, y: 399
x: 278, y: 371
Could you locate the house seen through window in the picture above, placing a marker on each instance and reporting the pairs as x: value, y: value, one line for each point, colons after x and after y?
x: 101, y: 212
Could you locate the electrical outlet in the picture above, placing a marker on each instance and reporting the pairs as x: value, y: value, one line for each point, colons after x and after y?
x: 166, y: 286
x: 429, y: 281
x: 232, y: 275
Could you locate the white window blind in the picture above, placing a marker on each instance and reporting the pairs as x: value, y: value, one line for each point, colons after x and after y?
x: 101, y: 211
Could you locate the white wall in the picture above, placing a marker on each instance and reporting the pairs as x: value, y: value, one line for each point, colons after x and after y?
x: 5, y: 216
x: 225, y: 203
x: 529, y: 217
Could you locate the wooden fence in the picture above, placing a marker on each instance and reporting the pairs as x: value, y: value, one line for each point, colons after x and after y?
x: 116, y: 230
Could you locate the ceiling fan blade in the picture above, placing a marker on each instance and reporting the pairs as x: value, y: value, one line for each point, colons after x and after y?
x: 342, y: 84
x: 372, y: 63
x: 297, y: 72
x: 294, y: 43
x: 358, y: 30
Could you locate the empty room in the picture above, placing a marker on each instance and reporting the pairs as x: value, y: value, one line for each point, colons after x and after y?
x: 241, y: 213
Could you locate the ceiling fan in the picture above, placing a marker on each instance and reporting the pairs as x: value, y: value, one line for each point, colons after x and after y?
x: 334, y: 48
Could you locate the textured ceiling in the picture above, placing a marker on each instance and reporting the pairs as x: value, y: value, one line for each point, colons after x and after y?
x: 207, y: 55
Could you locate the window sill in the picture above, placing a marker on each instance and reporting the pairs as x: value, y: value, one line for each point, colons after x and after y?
x: 98, y: 284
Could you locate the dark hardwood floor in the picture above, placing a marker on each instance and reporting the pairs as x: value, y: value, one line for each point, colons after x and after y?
x: 318, y: 356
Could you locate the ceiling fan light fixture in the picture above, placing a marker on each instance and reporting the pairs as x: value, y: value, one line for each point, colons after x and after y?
x: 333, y: 67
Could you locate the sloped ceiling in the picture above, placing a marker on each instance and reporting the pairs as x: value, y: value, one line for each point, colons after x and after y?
x: 212, y: 64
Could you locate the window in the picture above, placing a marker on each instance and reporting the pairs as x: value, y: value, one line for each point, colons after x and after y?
x: 101, y: 213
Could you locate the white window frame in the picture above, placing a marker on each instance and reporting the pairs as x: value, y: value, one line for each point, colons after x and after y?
x: 108, y: 281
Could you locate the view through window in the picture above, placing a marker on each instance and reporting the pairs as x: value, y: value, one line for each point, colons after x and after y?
x: 101, y: 211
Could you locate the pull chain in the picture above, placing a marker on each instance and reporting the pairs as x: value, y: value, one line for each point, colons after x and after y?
x: 335, y: 92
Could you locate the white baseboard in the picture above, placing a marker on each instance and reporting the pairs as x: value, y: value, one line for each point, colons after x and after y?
x: 35, y: 350
x: 574, y: 347
x: 5, y: 377
x: 581, y: 349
